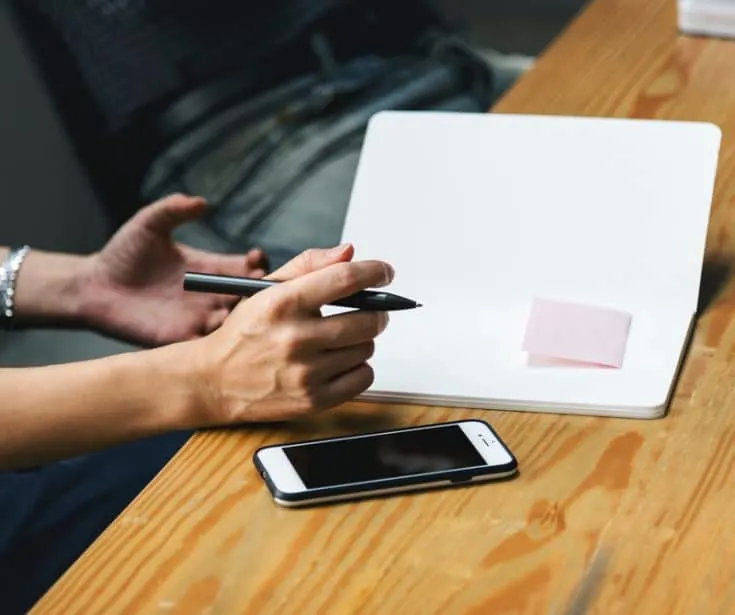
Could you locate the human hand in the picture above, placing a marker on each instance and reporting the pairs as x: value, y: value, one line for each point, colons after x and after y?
x: 276, y: 357
x: 135, y: 282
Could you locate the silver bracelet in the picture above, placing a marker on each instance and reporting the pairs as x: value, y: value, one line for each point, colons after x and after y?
x: 8, y: 277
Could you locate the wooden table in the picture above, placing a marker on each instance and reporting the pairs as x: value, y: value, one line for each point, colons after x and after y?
x: 206, y: 538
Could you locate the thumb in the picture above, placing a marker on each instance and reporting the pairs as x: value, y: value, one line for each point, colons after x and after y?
x: 312, y: 260
x: 166, y: 214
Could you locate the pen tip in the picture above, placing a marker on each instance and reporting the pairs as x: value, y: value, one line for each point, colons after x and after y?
x: 419, y: 305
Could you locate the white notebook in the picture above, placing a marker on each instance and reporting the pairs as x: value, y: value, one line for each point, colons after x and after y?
x: 485, y: 216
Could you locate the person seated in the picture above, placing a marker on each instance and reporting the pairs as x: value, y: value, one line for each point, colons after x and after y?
x: 260, y: 108
x: 78, y: 441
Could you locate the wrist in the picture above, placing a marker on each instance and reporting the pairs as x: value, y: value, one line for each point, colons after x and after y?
x: 178, y: 394
x: 51, y: 289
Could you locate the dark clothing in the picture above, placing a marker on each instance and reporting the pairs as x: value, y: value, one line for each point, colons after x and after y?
x: 50, y: 515
x: 115, y: 67
x: 134, y: 53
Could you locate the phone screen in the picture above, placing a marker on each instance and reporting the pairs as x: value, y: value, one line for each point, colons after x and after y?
x: 376, y: 457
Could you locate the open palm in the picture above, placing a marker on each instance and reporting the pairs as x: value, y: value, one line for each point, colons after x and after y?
x: 137, y: 277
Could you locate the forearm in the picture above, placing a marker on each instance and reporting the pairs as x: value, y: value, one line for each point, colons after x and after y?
x: 48, y: 413
x: 50, y: 289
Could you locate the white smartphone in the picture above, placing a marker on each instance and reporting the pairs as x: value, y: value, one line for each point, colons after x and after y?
x: 394, y: 461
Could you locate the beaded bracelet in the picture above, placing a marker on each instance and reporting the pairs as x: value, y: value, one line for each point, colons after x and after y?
x: 8, y: 277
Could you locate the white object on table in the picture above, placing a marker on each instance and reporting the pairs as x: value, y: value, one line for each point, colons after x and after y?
x: 714, y: 18
x: 482, y: 213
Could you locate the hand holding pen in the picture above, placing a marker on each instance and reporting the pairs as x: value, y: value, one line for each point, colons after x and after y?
x: 275, y: 357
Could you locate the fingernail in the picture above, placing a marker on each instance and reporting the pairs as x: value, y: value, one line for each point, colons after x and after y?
x: 336, y: 251
x: 389, y: 273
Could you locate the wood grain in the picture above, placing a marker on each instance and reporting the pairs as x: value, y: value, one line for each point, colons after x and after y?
x: 206, y: 538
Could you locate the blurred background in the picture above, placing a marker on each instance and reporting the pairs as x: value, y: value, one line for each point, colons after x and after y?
x: 512, y: 26
x: 512, y: 32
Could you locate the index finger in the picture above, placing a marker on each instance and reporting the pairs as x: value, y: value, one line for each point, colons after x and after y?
x: 313, y: 290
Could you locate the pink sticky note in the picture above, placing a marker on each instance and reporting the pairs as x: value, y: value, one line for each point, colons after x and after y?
x: 573, y: 334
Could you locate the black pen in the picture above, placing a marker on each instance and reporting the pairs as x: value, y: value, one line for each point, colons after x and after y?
x: 377, y: 301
